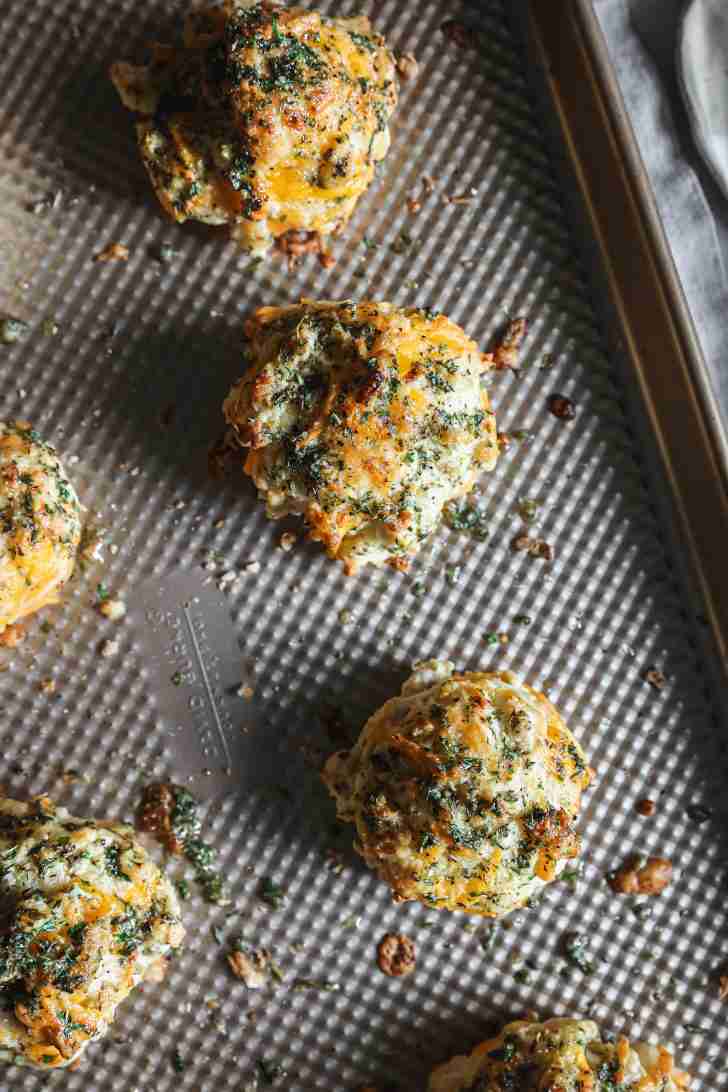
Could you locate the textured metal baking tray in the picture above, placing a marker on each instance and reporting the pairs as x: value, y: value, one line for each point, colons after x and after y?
x: 125, y: 370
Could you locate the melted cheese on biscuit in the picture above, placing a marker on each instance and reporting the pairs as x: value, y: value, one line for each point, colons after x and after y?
x: 365, y: 418
x: 268, y: 119
x: 89, y: 916
x: 564, y: 1054
x: 40, y: 523
x: 464, y: 791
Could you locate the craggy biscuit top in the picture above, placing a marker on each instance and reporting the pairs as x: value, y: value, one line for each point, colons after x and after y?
x: 464, y: 790
x: 88, y: 915
x: 561, y: 1055
x: 266, y: 118
x: 366, y: 418
x: 40, y: 523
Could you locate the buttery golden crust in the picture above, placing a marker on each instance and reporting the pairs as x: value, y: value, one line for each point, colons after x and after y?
x: 40, y: 523
x: 88, y: 917
x: 268, y: 119
x: 366, y: 419
x: 565, y: 1054
x: 463, y: 791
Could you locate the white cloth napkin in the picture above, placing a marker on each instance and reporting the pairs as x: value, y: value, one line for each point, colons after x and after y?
x: 642, y: 40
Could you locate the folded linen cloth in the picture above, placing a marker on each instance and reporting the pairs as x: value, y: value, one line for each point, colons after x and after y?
x: 642, y: 38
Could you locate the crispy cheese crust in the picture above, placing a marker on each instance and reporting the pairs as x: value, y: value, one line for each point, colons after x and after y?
x: 563, y: 1054
x: 88, y: 916
x: 463, y: 791
x: 366, y: 419
x: 267, y: 119
x: 40, y: 523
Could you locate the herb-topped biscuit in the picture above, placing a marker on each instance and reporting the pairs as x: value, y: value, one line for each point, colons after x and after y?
x: 568, y: 1055
x: 364, y: 418
x: 464, y: 790
x: 40, y: 523
x: 88, y: 916
x: 267, y: 119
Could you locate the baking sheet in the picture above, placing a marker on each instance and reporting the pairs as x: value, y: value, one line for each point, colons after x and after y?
x: 125, y: 370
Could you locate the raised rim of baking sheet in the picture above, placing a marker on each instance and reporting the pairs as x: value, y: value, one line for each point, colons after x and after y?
x: 646, y: 305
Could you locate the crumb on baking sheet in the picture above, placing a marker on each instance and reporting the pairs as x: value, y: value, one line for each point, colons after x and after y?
x: 287, y: 541
x: 534, y: 547
x: 114, y: 252
x: 457, y: 33
x: 396, y: 955
x: 642, y: 877
x: 12, y: 330
x: 506, y: 353
x: 172, y: 815
x: 645, y: 807
x: 562, y: 407
x: 250, y: 965
x: 113, y: 609
x: 655, y: 678
x: 407, y: 66
x: 294, y: 244
x: 13, y: 635
x: 109, y: 648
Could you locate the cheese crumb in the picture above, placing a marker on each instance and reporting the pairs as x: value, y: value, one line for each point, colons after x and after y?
x: 288, y: 541
x: 113, y: 609
x: 109, y: 648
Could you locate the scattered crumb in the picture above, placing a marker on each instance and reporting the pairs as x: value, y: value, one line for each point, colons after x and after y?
x: 227, y: 579
x: 645, y: 807
x: 504, y: 441
x: 245, y: 692
x: 655, y: 678
x: 12, y: 636
x: 460, y: 199
x: 114, y: 252
x: 48, y: 686
x: 640, y: 877
x: 113, y: 609
x: 407, y: 66
x: 252, y: 567
x: 428, y: 184
x: 167, y: 415
x: 505, y: 355
x: 12, y: 330
x: 109, y: 648
x: 294, y: 244
x: 154, y: 815
x: 288, y: 540
x: 562, y: 407
x: 457, y: 33
x: 396, y: 955
x: 723, y: 987
x: 92, y: 544
x: 414, y: 205
x: 73, y: 777
x: 535, y: 547
x: 250, y: 967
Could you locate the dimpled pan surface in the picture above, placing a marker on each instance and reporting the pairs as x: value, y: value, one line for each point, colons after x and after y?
x: 125, y: 369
